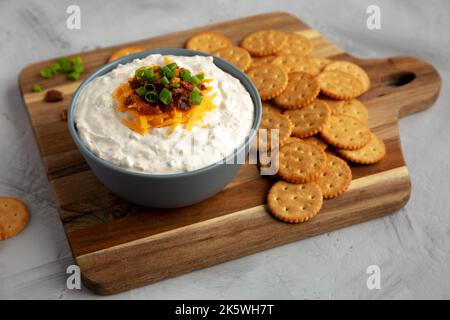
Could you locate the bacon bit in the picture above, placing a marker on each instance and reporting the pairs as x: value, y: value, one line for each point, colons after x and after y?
x: 53, y: 96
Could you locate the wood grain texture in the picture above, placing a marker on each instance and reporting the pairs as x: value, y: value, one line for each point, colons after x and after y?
x: 119, y: 245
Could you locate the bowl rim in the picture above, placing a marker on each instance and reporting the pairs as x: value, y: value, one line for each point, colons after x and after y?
x: 220, y: 63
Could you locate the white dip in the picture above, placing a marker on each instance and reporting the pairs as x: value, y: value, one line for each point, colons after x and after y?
x: 223, y: 129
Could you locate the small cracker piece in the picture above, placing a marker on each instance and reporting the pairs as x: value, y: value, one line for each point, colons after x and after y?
x: 371, y: 153
x: 317, y: 141
x: 297, y: 44
x: 301, y: 162
x: 310, y: 119
x: 296, y: 63
x: 269, y: 79
x: 352, y: 108
x: 264, y: 42
x: 208, y: 42
x: 345, y: 132
x: 339, y: 85
x: 124, y: 52
x: 294, y: 203
x: 235, y: 55
x: 353, y: 69
x: 301, y: 90
x: 273, y: 120
x: 336, y: 177
x: 14, y: 216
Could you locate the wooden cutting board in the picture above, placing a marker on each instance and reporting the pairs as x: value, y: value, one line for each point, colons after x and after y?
x: 119, y: 245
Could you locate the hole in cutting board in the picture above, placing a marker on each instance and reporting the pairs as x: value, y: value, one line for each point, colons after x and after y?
x: 398, y: 79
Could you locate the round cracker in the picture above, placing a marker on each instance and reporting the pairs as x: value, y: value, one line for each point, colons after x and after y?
x: 257, y: 61
x: 294, y: 203
x: 14, y: 216
x: 124, y: 52
x: 310, y: 119
x: 339, y: 85
x: 271, y: 121
x: 264, y: 42
x: 300, y: 162
x: 353, y: 69
x: 296, y: 63
x: 269, y: 79
x: 321, y: 63
x: 208, y: 42
x: 235, y: 55
x: 345, y: 132
x: 317, y: 141
x: 352, y: 108
x: 335, y: 178
x: 297, y: 44
x: 371, y: 153
x: 268, y: 107
x: 301, y: 90
x: 333, y: 104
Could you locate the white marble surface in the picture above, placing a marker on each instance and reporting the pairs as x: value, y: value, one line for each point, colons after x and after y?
x: 411, y: 247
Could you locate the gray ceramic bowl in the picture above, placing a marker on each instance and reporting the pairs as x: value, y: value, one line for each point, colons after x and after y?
x: 166, y: 190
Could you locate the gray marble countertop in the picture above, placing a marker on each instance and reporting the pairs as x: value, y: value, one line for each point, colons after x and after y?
x: 411, y: 247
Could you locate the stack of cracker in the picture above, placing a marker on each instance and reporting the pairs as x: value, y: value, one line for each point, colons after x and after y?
x: 313, y: 103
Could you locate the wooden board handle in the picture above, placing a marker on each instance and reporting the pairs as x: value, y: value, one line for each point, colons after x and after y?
x: 406, y: 84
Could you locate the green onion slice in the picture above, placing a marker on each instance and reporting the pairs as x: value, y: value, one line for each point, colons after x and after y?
x: 195, y: 98
x: 141, y: 91
x: 175, y: 85
x: 165, y: 81
x: 37, y: 88
x: 185, y: 75
x: 150, y: 87
x: 77, y: 61
x: 195, y: 80
x: 73, y: 76
x: 151, y: 96
x: 165, y: 96
x: 56, y: 67
x: 46, y: 73
x: 172, y: 66
x: 200, y: 76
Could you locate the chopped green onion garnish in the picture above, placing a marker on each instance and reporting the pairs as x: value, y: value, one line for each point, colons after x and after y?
x: 151, y: 96
x: 164, y: 71
x: 165, y: 96
x: 200, y: 76
x: 165, y: 81
x: 73, y: 76
x: 195, y: 80
x: 78, y: 68
x: 170, y: 74
x: 46, y: 73
x: 175, y: 85
x: 150, y: 87
x: 172, y: 66
x: 149, y: 74
x: 185, y: 75
x: 56, y: 67
x: 65, y: 64
x: 141, y: 91
x: 140, y: 73
x: 77, y: 61
x: 196, y: 91
x: 195, y: 98
x: 37, y: 88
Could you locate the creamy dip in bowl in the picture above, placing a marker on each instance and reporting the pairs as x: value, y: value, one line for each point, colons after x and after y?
x: 165, y: 167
